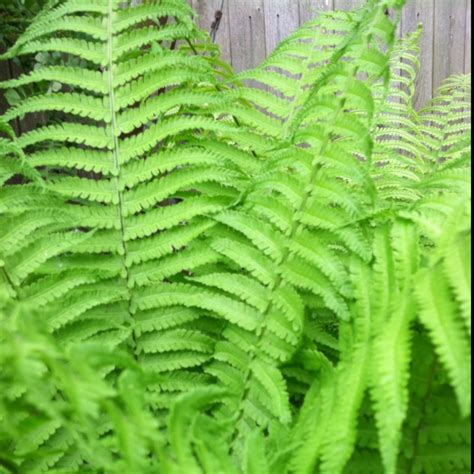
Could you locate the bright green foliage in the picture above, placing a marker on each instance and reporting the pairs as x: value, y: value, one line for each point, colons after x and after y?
x: 202, y: 276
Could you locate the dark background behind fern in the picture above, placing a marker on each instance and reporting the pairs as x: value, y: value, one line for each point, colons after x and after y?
x: 15, y: 16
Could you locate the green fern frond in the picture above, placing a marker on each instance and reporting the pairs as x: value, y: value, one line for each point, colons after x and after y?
x: 436, y: 438
x: 200, y: 275
x: 438, y: 314
x: 92, y: 239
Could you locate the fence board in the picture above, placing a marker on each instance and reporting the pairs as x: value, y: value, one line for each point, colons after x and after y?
x: 310, y: 8
x: 281, y: 19
x: 250, y: 29
x: 415, y: 12
x: 247, y: 33
x: 206, y: 10
x: 347, y: 4
x: 467, y: 40
x: 450, y: 29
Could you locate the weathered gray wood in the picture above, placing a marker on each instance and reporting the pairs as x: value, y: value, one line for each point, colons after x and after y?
x: 206, y: 10
x: 467, y: 40
x: 250, y: 29
x: 310, y: 8
x: 247, y: 33
x: 347, y: 4
x: 450, y: 30
x: 281, y: 19
x: 415, y: 12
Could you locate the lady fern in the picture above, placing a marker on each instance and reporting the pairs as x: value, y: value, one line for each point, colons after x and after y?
x: 111, y: 160
x: 243, y: 280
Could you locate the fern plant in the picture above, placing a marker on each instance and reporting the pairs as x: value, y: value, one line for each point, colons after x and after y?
x: 256, y: 280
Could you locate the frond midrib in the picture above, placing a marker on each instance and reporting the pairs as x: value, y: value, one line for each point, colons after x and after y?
x: 114, y: 131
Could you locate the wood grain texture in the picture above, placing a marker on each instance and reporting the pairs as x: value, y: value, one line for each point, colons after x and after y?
x: 348, y: 4
x: 467, y: 40
x: 206, y: 9
x: 247, y: 33
x: 310, y: 8
x: 450, y: 31
x: 281, y: 19
x: 415, y: 12
x: 250, y: 29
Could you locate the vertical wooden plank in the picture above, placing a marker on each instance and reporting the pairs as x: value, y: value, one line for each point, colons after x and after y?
x: 467, y: 40
x: 310, y: 8
x: 415, y: 12
x: 281, y: 19
x: 247, y: 33
x: 348, y: 4
x: 450, y: 30
x: 206, y: 9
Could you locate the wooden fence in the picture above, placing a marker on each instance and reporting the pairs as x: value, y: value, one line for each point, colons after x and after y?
x: 250, y: 30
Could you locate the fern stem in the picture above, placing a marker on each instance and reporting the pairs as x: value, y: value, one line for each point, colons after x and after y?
x: 218, y: 89
x: 277, y: 283
x: 114, y: 131
x: 8, y: 279
x: 436, y: 161
x: 338, y: 53
x: 296, y: 226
